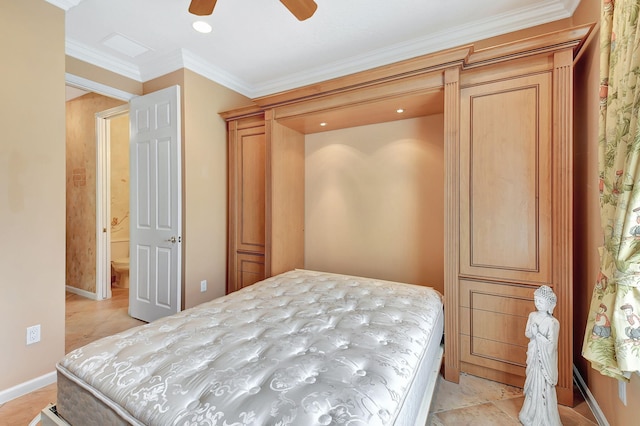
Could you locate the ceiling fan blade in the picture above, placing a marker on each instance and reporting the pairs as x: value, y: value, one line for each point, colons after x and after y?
x: 202, y: 7
x: 301, y: 9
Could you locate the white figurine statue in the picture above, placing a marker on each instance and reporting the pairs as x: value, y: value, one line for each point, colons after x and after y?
x: 540, y: 401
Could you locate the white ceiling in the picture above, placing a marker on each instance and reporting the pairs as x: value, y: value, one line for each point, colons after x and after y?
x: 258, y: 48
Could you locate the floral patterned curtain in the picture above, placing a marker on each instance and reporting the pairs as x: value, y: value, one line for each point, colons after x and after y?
x: 612, y: 336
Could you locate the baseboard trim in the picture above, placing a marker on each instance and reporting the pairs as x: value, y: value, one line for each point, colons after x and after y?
x: 27, y: 387
x: 589, y: 398
x: 81, y: 292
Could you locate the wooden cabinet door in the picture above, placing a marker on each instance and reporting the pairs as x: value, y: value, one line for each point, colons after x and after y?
x: 505, y: 180
x: 493, y: 317
x: 250, y: 180
x: 247, y: 210
x: 249, y: 269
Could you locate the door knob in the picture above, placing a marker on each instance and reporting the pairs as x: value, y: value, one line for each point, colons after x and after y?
x: 174, y: 239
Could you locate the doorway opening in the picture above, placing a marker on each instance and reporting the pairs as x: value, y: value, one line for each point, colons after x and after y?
x: 92, y: 109
x: 96, y: 224
x: 112, y: 200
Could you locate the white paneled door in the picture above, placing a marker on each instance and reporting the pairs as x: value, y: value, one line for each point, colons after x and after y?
x: 156, y: 205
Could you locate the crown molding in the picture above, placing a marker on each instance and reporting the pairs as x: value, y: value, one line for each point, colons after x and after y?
x: 183, y: 58
x: 548, y: 11
x: 542, y: 13
x: 161, y: 66
x: 198, y: 65
x: 64, y: 4
x: 93, y: 86
x: 87, y: 54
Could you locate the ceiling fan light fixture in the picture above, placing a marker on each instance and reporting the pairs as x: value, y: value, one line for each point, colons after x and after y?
x: 301, y: 9
x: 201, y: 27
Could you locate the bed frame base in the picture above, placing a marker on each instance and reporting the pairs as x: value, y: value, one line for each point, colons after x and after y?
x: 49, y: 417
x: 434, y: 372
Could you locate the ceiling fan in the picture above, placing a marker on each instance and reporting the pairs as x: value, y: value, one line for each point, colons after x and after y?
x: 301, y: 9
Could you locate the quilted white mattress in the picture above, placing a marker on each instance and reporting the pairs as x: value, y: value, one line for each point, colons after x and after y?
x: 301, y: 348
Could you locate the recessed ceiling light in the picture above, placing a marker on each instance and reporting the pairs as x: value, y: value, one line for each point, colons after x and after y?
x: 201, y: 27
x: 400, y: 110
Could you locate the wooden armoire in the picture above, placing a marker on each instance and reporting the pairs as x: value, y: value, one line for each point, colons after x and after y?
x: 508, y: 118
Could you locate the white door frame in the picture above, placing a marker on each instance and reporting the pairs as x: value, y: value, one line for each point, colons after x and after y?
x: 103, y: 199
x: 103, y: 248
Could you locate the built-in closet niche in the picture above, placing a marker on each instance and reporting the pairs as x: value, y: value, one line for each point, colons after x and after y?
x: 374, y: 197
x: 374, y: 180
x: 385, y: 169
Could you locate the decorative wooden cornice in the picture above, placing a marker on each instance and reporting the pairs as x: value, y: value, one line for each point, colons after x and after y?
x: 570, y: 38
x: 242, y: 112
x: 410, y: 67
x: 463, y: 57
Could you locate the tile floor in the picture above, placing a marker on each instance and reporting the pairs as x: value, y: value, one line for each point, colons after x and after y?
x: 473, y: 401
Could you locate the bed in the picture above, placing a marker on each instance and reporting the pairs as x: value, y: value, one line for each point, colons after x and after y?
x: 300, y: 348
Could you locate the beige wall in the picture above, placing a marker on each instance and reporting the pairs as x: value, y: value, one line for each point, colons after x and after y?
x: 81, y: 188
x: 204, y: 196
x: 96, y: 74
x: 205, y: 175
x: 32, y: 188
x: 374, y: 201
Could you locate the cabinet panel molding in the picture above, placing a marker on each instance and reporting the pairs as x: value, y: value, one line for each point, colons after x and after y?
x: 505, y: 180
x: 250, y: 180
x: 493, y: 320
x: 250, y: 269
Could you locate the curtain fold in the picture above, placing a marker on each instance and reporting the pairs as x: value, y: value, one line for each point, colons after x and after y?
x: 612, y: 335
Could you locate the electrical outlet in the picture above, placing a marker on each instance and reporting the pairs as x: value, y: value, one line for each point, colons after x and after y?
x: 33, y: 334
x: 203, y: 286
x: 622, y: 391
